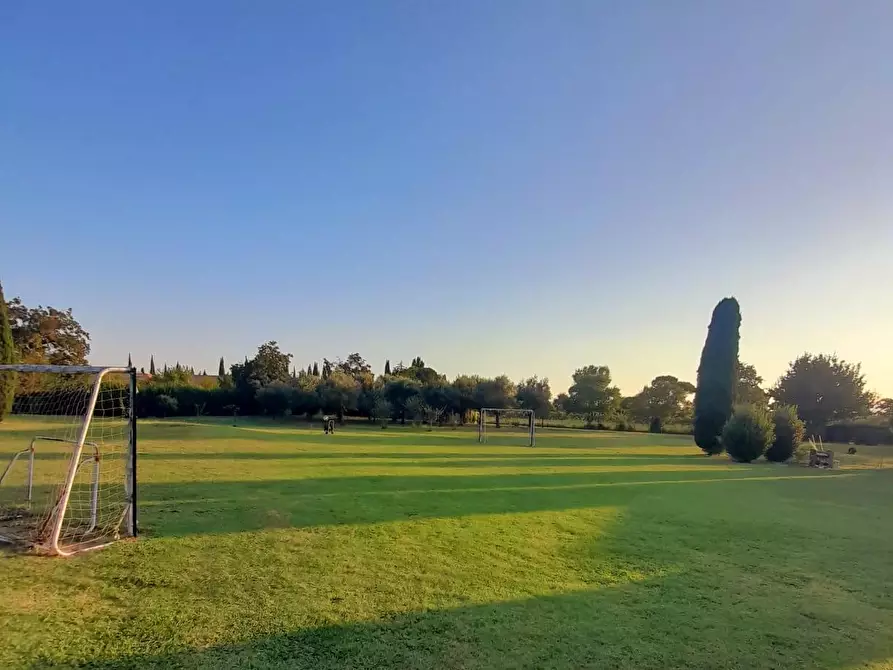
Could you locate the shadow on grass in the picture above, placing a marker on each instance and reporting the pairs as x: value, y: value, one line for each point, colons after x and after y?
x: 178, y: 509
x: 669, y: 623
x: 699, y: 602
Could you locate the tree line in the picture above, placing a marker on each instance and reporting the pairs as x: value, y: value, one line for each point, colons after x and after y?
x: 825, y: 390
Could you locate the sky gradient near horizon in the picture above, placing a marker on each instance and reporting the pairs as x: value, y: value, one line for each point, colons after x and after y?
x: 519, y: 187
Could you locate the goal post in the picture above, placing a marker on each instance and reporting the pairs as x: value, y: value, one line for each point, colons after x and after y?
x: 519, y: 424
x: 68, y: 458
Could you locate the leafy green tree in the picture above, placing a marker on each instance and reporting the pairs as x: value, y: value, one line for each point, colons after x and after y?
x: 269, y: 365
x: 8, y: 356
x: 498, y: 393
x: 824, y: 388
x: 665, y: 399
x: 748, y: 386
x: 592, y: 395
x: 748, y: 433
x: 46, y: 335
x: 276, y: 399
x: 355, y: 366
x: 716, y: 376
x: 535, y: 394
x: 415, y: 408
x: 464, y: 395
x: 338, y: 393
x: 152, y: 364
x: 175, y: 376
x: 420, y: 372
x: 327, y: 367
x: 884, y: 407
x: 788, y: 434
x: 441, y: 395
x: 398, y: 391
x: 387, y: 367
x: 381, y: 410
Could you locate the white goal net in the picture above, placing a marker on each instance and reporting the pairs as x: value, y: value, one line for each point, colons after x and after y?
x: 67, y: 458
x: 507, y: 426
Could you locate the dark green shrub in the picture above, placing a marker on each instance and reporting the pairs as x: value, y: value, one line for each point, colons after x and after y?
x: 275, y: 399
x: 870, y: 433
x: 621, y: 426
x: 717, y: 374
x: 656, y: 425
x: 168, y: 404
x: 788, y: 434
x: 748, y: 433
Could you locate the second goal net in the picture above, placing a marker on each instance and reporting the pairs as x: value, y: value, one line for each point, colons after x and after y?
x: 67, y: 457
x: 507, y: 426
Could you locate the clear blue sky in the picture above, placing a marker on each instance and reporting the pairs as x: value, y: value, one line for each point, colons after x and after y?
x: 500, y: 187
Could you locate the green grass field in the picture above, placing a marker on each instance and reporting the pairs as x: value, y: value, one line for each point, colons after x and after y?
x: 273, y: 546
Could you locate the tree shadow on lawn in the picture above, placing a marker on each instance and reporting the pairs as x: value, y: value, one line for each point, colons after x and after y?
x: 187, y: 508
x: 709, y: 594
x: 371, y: 434
x: 663, y: 623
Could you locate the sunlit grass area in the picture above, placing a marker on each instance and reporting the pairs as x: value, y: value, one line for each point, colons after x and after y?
x: 272, y: 545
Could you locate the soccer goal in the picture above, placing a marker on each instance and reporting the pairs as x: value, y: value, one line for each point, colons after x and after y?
x: 512, y: 424
x: 68, y: 458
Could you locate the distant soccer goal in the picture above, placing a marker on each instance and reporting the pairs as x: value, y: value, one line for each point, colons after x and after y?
x: 68, y: 458
x: 508, y: 425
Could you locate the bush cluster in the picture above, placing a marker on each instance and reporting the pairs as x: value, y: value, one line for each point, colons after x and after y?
x: 748, y: 433
x: 788, y: 430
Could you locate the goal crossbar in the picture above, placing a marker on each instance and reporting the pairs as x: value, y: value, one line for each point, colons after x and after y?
x: 498, y: 412
x: 48, y: 536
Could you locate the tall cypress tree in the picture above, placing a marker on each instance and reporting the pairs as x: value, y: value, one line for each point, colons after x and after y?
x: 8, y: 380
x: 309, y: 369
x: 152, y: 364
x: 716, y: 376
x: 129, y: 361
x: 221, y: 369
x: 387, y: 367
x: 315, y: 370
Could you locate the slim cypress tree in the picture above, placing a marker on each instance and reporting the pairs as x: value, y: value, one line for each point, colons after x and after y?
x: 716, y: 376
x: 221, y: 369
x: 8, y: 380
x: 152, y: 364
x: 309, y: 369
x: 129, y: 361
x: 387, y: 367
x: 315, y: 370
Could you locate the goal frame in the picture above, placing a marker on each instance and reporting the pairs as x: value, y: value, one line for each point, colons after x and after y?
x: 129, y: 518
x: 482, y: 424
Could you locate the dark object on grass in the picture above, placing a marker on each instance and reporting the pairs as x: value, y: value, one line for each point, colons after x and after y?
x: 851, y: 450
x: 821, y: 459
x: 656, y: 425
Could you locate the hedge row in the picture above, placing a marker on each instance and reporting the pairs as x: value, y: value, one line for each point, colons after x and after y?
x: 858, y: 433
